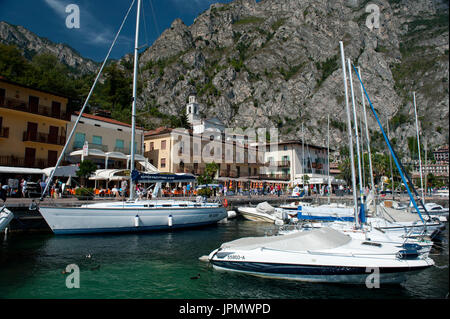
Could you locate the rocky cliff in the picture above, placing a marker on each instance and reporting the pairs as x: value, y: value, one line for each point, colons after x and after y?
x: 277, y: 64
x: 31, y: 44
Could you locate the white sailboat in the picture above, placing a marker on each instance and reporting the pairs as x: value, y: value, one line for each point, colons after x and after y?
x: 132, y: 215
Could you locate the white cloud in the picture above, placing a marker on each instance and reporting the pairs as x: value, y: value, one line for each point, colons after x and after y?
x: 57, y: 6
x: 91, y: 29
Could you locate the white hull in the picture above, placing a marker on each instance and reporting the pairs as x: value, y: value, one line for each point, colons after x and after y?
x: 124, y: 217
x: 314, y: 256
x: 250, y: 213
x: 5, y: 218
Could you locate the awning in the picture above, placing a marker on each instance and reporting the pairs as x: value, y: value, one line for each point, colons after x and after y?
x: 109, y: 175
x: 62, y: 171
x: 91, y: 152
x: 20, y: 170
x: 243, y: 179
x: 319, y: 180
x: 161, y: 177
x: 117, y: 155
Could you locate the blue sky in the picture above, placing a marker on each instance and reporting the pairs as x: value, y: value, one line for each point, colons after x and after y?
x: 99, y: 21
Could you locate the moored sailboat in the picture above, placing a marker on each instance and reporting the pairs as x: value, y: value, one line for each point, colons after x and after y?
x: 132, y: 215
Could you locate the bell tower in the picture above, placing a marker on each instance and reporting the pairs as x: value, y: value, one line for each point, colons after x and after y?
x: 192, y: 109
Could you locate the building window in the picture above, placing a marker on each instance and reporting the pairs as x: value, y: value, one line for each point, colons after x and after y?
x: 285, y: 147
x: 163, y: 145
x: 52, y: 158
x: 152, y: 146
x: 163, y: 162
x: 79, y: 140
x: 120, y: 145
x: 97, y: 140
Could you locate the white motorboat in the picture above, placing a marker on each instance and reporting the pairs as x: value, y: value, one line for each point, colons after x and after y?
x: 5, y: 218
x: 436, y: 210
x: 319, y: 255
x: 263, y: 212
x: 366, y: 232
x: 442, y: 193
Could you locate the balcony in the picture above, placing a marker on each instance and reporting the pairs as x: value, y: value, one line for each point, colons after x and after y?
x: 20, y: 105
x: 276, y: 177
x: 283, y: 163
x: 79, y: 146
x: 4, y: 132
x: 43, y: 138
x: 22, y: 162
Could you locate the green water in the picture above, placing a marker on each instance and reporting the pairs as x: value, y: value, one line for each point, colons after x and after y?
x: 162, y: 264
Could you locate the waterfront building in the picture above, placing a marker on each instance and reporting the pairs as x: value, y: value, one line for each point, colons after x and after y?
x: 105, y: 141
x: 298, y: 163
x: 32, y: 125
x: 441, y: 154
x: 182, y: 151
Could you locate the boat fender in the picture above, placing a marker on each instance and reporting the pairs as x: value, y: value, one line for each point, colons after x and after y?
x: 225, y: 203
x: 170, y: 220
x: 279, y: 222
x: 136, y: 221
x: 409, y: 246
x: 231, y: 214
x: 407, y: 254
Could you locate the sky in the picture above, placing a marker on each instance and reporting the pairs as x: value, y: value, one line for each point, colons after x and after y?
x: 99, y: 21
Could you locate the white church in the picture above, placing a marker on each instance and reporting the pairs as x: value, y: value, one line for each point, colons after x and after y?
x: 199, y: 125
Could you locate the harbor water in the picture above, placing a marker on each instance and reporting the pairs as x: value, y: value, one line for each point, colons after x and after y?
x: 166, y: 265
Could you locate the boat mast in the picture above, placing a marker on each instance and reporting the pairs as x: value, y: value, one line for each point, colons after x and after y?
x: 303, y: 156
x: 418, y: 144
x: 367, y: 133
x: 426, y: 181
x: 328, y: 159
x: 355, y: 119
x: 350, y: 137
x: 133, y: 110
x: 390, y: 161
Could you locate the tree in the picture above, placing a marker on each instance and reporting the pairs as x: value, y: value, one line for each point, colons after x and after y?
x: 86, y: 168
x: 208, y: 176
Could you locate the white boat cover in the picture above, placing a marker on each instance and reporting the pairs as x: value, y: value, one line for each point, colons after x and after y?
x: 316, y: 239
x: 265, y: 208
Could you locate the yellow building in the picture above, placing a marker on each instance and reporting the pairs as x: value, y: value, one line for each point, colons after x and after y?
x: 171, y: 151
x: 32, y: 126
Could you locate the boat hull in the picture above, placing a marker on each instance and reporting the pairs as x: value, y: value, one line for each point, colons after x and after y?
x: 310, y: 273
x: 5, y: 218
x: 250, y: 213
x: 82, y: 220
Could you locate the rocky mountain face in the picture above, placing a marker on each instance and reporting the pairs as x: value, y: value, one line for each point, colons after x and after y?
x: 277, y: 64
x: 31, y: 44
